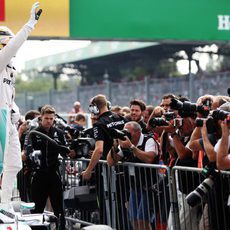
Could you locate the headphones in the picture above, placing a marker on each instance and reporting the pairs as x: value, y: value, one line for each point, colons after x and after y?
x: 109, y: 105
x: 94, y: 109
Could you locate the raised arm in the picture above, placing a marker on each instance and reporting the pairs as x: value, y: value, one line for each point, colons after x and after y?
x: 10, y: 49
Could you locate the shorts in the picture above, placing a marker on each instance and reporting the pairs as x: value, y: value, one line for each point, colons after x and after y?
x: 139, y: 207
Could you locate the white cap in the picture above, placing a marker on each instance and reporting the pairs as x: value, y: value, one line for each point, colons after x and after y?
x: 5, y: 35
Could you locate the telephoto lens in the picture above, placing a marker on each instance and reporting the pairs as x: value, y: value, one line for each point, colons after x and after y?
x: 195, y: 197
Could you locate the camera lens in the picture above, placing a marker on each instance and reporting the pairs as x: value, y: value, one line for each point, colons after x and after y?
x: 195, y: 197
x: 176, y: 104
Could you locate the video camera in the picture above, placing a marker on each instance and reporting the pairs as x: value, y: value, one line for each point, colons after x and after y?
x: 195, y: 197
x: 82, y: 146
x: 83, y: 143
x: 62, y: 124
x: 188, y: 109
x: 32, y: 124
x: 35, y: 159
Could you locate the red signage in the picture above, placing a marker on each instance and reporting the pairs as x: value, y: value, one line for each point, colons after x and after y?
x: 2, y: 10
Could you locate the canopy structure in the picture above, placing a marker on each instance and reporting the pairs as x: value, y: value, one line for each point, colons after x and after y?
x: 94, y: 50
x: 101, y: 61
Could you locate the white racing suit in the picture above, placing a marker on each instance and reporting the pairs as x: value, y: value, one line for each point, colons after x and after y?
x: 10, y: 151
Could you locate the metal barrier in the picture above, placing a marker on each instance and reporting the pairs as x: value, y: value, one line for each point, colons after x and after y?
x: 130, y: 195
x: 148, y: 196
x: 205, y: 208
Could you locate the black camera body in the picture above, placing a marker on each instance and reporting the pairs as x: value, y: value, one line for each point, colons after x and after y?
x: 221, y: 115
x: 162, y: 121
x: 120, y: 134
x: 158, y: 121
x: 169, y: 116
x: 188, y: 109
x: 199, y: 122
x: 214, y: 116
x: 82, y: 146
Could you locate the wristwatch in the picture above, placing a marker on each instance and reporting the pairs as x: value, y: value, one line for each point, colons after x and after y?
x: 132, y: 146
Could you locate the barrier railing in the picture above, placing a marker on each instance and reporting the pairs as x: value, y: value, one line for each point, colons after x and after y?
x: 146, y: 196
x: 202, y: 198
x: 131, y: 196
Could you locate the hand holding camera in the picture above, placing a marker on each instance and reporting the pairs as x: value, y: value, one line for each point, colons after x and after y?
x: 125, y: 144
x: 225, y: 127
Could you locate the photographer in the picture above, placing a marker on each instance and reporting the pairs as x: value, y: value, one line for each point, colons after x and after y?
x: 177, y: 135
x: 223, y: 145
x: 144, y: 149
x: 204, y: 138
x: 223, y: 149
x: 215, y: 101
x: 46, y: 179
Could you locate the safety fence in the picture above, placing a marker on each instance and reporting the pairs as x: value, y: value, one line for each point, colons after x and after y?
x: 146, y: 196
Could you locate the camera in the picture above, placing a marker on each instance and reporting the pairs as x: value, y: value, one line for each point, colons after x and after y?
x: 178, y: 122
x: 82, y: 146
x: 162, y: 121
x: 32, y: 124
x: 86, y: 133
x: 187, y: 109
x: 157, y: 121
x: 61, y: 124
x: 221, y: 115
x: 195, y: 197
x: 169, y: 116
x: 35, y: 158
x: 199, y: 122
x: 120, y: 134
x: 211, y: 124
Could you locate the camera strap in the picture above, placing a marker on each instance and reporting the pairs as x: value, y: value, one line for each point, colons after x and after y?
x: 200, y: 159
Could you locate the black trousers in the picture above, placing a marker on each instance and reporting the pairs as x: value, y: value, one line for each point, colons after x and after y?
x: 48, y: 184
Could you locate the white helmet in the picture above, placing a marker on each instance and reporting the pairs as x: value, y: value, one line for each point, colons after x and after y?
x: 5, y: 35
